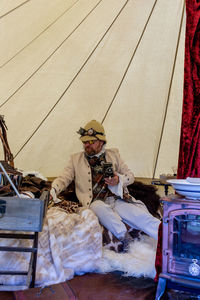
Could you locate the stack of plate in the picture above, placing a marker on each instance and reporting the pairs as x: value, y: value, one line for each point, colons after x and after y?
x: 189, y: 187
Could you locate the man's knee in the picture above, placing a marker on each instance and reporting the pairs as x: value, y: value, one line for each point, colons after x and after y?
x: 97, y: 204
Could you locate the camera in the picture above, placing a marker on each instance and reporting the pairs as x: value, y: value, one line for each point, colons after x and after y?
x: 108, y: 170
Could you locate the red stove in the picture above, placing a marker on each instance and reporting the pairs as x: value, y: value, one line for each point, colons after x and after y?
x: 181, y: 244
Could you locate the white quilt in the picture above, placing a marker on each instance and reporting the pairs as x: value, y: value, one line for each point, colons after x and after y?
x: 71, y: 244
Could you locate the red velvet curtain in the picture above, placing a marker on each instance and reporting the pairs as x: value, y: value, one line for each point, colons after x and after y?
x: 189, y: 154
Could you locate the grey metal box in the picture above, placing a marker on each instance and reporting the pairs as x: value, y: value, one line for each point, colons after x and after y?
x: 22, y: 214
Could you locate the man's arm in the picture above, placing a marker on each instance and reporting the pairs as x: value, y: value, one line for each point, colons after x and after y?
x: 125, y: 174
x: 62, y: 181
x: 122, y: 177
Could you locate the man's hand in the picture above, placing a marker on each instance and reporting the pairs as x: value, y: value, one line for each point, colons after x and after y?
x: 53, y: 196
x: 112, y: 180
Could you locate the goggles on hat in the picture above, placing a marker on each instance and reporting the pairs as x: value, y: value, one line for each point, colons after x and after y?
x: 90, y: 132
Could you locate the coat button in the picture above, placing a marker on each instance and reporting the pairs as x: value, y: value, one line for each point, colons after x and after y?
x: 88, y: 203
x: 89, y: 173
x: 89, y: 180
x: 90, y: 189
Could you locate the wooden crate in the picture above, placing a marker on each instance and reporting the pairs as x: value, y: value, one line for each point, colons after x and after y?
x: 22, y: 214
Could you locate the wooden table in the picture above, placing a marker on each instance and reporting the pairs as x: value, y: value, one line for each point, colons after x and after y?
x: 165, y: 185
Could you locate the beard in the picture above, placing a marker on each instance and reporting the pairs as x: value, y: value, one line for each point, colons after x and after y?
x: 90, y: 151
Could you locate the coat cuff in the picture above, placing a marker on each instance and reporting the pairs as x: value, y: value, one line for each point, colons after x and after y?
x: 54, y: 196
x: 118, y: 189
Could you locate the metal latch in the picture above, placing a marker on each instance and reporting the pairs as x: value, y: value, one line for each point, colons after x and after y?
x: 166, y: 252
x: 2, y: 208
x: 166, y: 220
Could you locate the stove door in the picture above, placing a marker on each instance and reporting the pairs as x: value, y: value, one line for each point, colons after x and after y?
x: 184, y: 242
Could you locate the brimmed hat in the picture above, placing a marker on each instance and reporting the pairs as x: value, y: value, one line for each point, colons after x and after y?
x: 92, y: 131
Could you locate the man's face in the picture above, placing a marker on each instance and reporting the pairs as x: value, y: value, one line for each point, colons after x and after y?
x: 93, y: 147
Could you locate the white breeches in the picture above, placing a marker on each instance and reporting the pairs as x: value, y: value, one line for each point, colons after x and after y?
x: 112, y: 212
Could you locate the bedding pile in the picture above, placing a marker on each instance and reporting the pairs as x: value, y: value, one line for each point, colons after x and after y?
x: 71, y: 244
x: 68, y: 245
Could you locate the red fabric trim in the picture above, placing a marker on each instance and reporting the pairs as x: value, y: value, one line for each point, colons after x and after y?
x: 158, y: 262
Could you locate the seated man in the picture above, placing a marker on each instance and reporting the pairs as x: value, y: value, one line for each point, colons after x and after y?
x: 102, y: 186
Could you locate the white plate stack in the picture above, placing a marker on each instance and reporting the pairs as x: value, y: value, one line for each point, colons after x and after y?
x: 189, y: 187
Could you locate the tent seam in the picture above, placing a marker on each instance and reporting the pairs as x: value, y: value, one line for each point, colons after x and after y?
x: 94, y: 49
x: 13, y: 9
x: 48, y: 57
x: 4, y: 64
x: 169, y: 90
x: 127, y: 68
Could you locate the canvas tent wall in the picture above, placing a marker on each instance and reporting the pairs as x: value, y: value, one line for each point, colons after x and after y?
x: 65, y: 62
